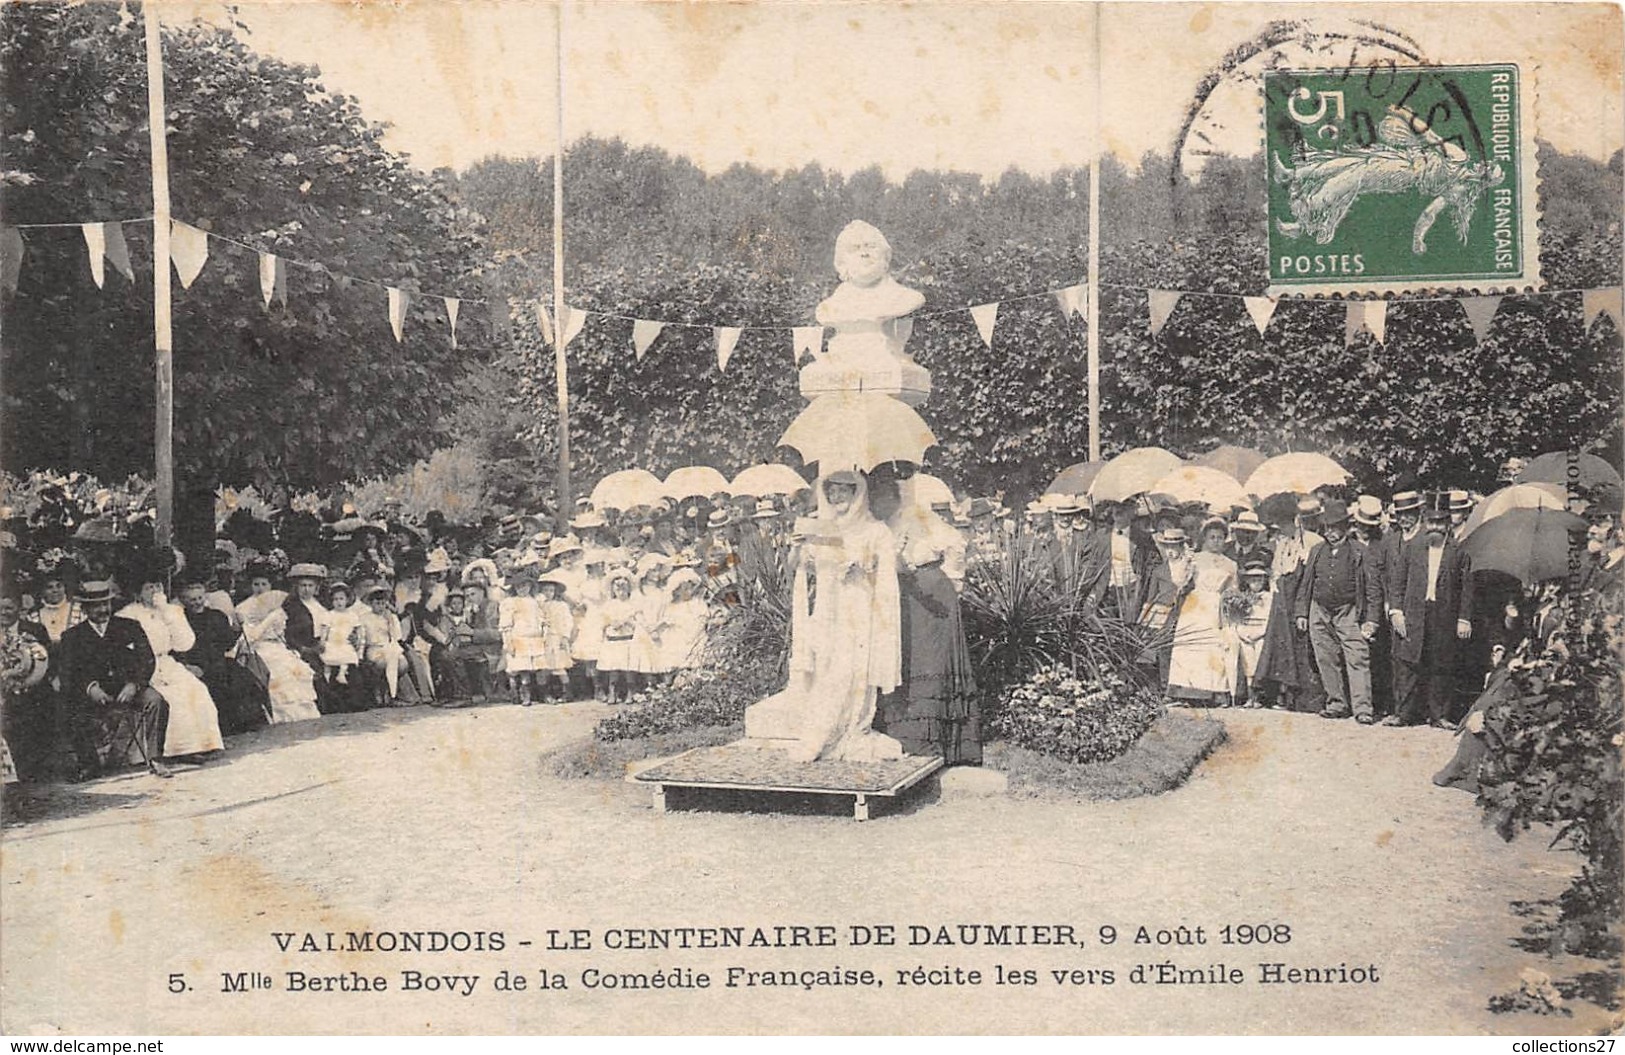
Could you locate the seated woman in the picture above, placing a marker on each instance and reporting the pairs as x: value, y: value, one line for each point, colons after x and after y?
x: 194, y: 724
x: 845, y: 645
x: 290, y: 681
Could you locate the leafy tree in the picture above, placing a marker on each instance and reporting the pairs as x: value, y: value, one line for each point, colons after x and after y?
x: 260, y: 152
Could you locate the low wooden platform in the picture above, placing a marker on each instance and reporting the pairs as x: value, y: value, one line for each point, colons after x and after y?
x: 736, y: 768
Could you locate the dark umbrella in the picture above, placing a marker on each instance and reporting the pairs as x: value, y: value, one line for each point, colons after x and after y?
x: 1589, y: 471
x: 1533, y: 544
x: 1075, y: 479
x: 1278, y: 509
x: 1239, y: 462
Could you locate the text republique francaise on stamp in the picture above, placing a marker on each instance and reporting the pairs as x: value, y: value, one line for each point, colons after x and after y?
x: 1392, y: 179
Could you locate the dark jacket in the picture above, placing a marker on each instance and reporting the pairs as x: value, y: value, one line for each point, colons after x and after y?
x: 300, y: 633
x: 1408, y: 587
x: 120, y: 657
x: 215, y: 637
x: 1367, y: 584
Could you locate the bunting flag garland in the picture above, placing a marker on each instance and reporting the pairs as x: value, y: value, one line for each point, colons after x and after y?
x: 189, y: 249
x: 452, y: 304
x: 570, y: 322
x: 116, y: 250
x: 11, y: 258
x: 644, y: 333
x: 398, y: 299
x: 1073, y: 301
x: 806, y: 340
x: 727, y: 337
x: 1596, y: 302
x: 1161, y: 303
x: 271, y: 276
x: 545, y: 321
x: 985, y: 316
x: 96, y: 245
x: 1480, y: 313
x: 1369, y: 315
x: 1262, y: 309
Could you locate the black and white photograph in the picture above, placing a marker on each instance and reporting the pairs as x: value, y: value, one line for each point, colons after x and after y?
x: 574, y: 517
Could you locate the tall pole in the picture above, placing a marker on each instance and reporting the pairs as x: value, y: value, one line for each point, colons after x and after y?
x: 163, y: 337
x: 560, y: 370
x: 1093, y: 299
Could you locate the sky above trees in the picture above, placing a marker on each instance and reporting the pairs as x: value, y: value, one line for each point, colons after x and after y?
x: 975, y: 87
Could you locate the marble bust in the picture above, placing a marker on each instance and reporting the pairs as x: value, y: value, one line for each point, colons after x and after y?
x: 869, y: 314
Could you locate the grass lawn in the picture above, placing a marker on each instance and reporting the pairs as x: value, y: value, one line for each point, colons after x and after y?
x: 1160, y: 761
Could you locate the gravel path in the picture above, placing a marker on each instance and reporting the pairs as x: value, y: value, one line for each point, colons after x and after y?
x: 451, y: 821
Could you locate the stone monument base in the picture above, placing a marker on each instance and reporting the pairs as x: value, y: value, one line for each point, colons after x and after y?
x: 903, y: 379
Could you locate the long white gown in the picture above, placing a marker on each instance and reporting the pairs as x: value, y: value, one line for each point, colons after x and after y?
x: 292, y: 686
x: 1204, y: 656
x: 194, y: 724
x: 845, y: 648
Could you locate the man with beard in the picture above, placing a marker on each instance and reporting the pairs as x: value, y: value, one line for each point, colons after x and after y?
x: 241, y: 701
x: 1431, y: 609
x: 107, y: 663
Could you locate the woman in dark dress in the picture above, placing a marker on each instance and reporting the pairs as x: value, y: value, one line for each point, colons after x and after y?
x: 1285, y: 664
x: 934, y: 710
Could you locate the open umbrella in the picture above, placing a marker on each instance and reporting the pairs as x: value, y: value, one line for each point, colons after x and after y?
x: 695, y: 481
x: 1532, y: 544
x: 1195, y: 483
x: 1553, y: 468
x: 761, y: 480
x: 1075, y: 479
x: 930, y: 491
x: 1131, y: 473
x: 1297, y: 473
x: 858, y: 430
x: 1238, y: 462
x: 1518, y: 496
x: 628, y: 488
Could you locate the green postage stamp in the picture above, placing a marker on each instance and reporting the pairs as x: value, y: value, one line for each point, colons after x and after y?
x: 1388, y: 178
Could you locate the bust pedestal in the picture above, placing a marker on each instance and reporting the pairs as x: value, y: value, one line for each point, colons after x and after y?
x: 866, y: 362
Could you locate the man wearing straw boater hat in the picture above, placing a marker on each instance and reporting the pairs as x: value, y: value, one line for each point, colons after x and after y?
x: 107, y: 663
x: 1404, y: 522
x: 1431, y: 609
x: 1336, y: 605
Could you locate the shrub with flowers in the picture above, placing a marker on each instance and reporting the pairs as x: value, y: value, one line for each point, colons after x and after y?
x: 1091, y: 718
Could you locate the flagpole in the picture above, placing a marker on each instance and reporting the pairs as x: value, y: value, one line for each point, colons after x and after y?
x: 163, y: 336
x: 1093, y: 293
x: 560, y: 369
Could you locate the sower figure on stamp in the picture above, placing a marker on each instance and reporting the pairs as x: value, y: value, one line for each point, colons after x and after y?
x: 1431, y: 587
x: 1336, y: 604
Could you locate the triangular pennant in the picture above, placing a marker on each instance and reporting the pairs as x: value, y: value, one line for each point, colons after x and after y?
x: 268, y: 269
x: 644, y: 333
x: 985, y: 316
x: 570, y: 322
x: 1369, y: 315
x: 1601, y: 301
x: 452, y: 304
x: 11, y: 258
x: 727, y: 337
x: 806, y: 340
x: 1162, y: 303
x: 1480, y: 313
x: 398, y: 299
x: 188, y: 248
x: 1262, y: 309
x: 545, y: 321
x: 117, y: 251
x: 96, y: 245
x: 1073, y: 300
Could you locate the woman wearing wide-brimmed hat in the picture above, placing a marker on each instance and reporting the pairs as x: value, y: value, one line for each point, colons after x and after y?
x: 289, y: 680
x: 193, y: 727
x: 1201, y: 669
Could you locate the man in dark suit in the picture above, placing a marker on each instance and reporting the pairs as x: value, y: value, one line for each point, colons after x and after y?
x: 1336, y: 605
x: 1431, y: 609
x: 107, y: 663
x: 241, y: 700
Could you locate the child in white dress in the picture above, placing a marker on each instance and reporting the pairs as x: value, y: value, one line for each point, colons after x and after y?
x: 524, y: 632
x: 558, y: 626
x: 682, y: 644
x: 339, y: 650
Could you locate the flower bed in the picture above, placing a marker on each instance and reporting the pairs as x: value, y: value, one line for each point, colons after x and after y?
x: 1076, y: 719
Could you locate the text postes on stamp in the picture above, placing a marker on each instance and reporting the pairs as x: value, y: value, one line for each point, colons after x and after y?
x: 1394, y: 179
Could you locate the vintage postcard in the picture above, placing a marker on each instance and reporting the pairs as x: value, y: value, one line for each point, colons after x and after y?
x: 541, y: 517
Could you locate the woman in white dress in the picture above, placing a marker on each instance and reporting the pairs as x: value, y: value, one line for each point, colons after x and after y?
x: 289, y: 680
x: 194, y: 724
x: 1202, y: 668
x: 846, y: 645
